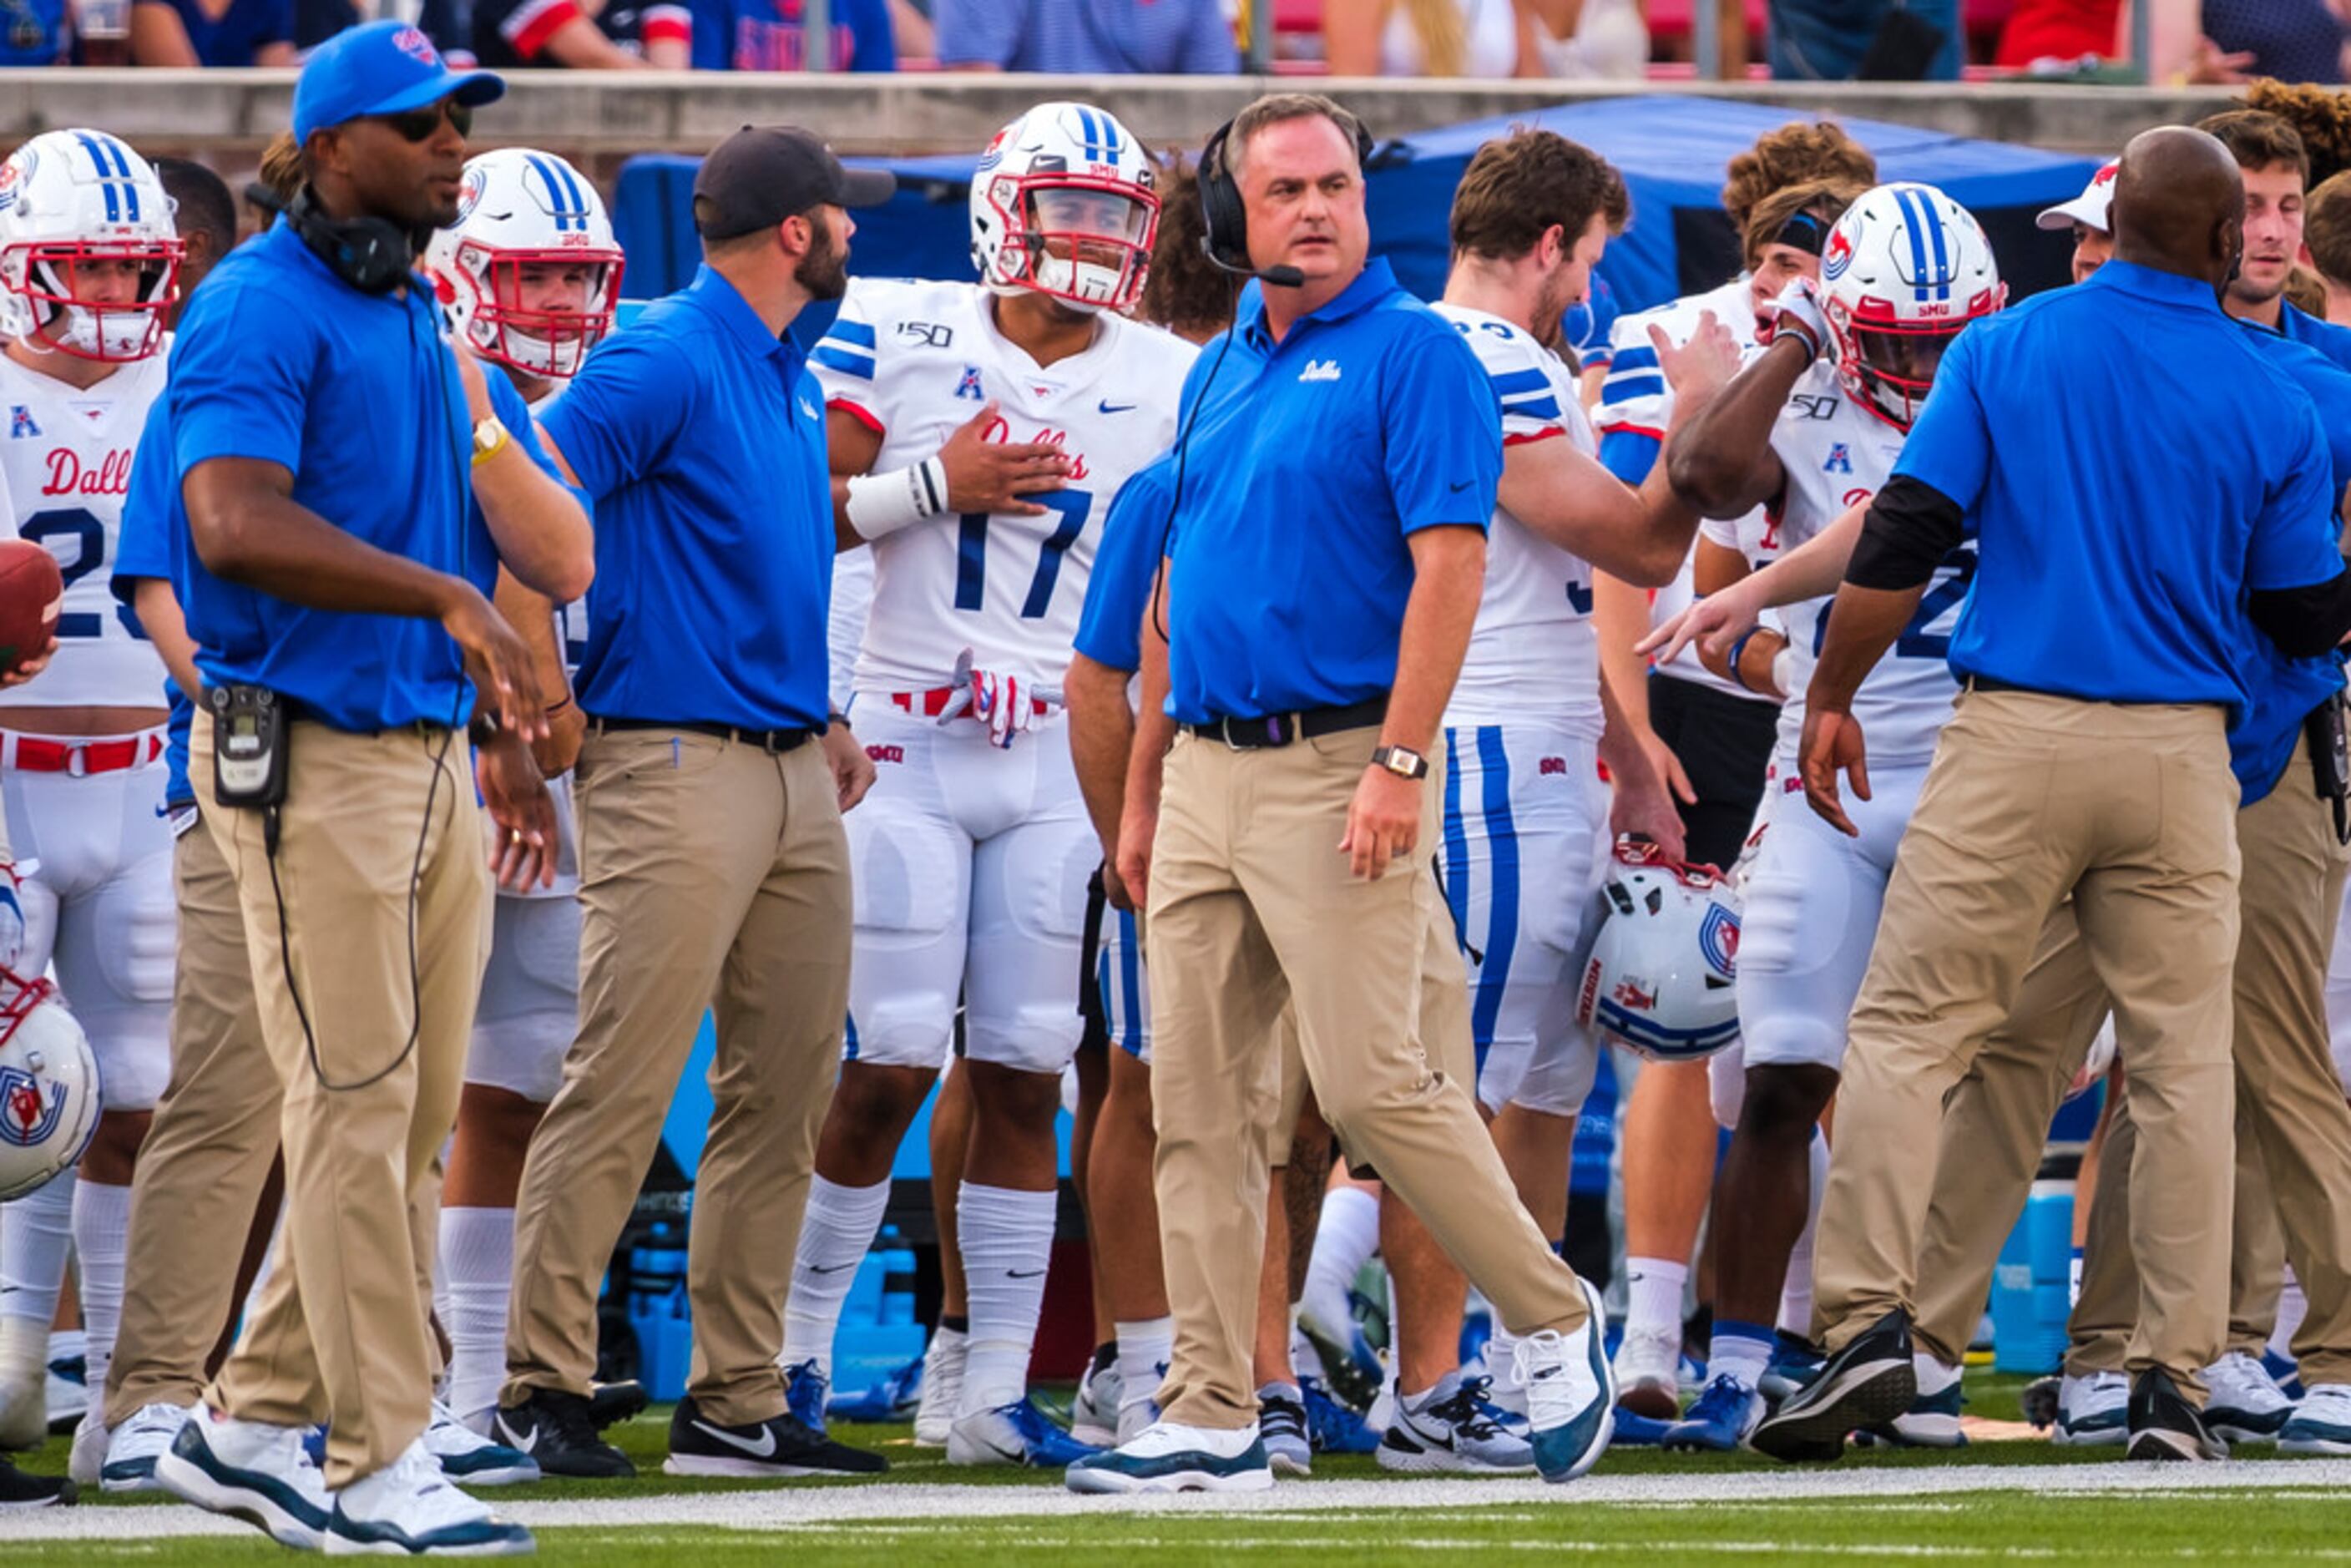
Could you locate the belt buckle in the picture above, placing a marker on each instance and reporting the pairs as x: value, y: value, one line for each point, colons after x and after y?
x: 77, y: 761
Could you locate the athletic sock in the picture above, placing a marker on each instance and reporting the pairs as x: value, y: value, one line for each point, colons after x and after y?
x: 1143, y: 1348
x: 101, y: 1237
x: 1007, y: 1241
x: 477, y: 1264
x: 2291, y: 1308
x: 1739, y: 1350
x: 1304, y: 1359
x: 1796, y: 1289
x: 1345, y: 1240
x: 1653, y: 1296
x: 35, y: 1238
x: 835, y: 1236
x: 248, y: 1307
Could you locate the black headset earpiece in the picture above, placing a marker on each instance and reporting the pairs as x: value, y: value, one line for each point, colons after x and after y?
x: 372, y: 254
x: 1224, y: 221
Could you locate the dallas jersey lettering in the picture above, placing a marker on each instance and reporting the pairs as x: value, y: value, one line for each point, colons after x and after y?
x: 66, y: 454
x: 1532, y: 655
x: 915, y: 361
x: 1635, y: 399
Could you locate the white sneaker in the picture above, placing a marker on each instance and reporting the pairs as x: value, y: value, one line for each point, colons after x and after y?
x: 1453, y: 1432
x: 465, y: 1455
x: 1166, y: 1457
x: 2244, y: 1403
x: 1093, y: 1414
x: 1571, y: 1396
x: 1649, y: 1374
x: 2095, y: 1409
x: 2321, y: 1424
x: 408, y: 1508
x: 942, y: 1387
x: 133, y: 1449
x: 251, y: 1472
x: 87, y: 1457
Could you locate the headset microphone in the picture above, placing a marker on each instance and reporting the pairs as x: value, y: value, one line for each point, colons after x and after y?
x: 1224, y: 221
x: 1278, y: 277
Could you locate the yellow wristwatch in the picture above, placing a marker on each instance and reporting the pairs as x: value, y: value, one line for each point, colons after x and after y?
x: 489, y: 439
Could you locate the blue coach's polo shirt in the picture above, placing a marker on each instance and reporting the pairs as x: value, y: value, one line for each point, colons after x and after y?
x: 2150, y: 464
x: 1109, y: 628
x: 699, y: 436
x: 2313, y: 332
x: 150, y: 515
x: 280, y: 360
x: 1310, y: 462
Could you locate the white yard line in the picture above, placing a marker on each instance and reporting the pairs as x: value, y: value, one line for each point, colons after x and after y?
x: 786, y: 1509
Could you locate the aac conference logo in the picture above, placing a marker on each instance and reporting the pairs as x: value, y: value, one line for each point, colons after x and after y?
x: 28, y: 1116
x: 1839, y: 256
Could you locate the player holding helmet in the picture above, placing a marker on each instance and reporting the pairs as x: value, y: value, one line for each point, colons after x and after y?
x: 977, y: 434
x: 89, y: 265
x: 530, y: 277
x: 1809, y: 430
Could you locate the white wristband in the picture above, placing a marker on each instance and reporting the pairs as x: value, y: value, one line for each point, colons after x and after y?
x: 881, y: 504
x: 1781, y: 662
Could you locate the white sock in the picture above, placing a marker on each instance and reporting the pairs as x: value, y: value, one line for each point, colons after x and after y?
x: 1653, y: 1296
x: 101, y: 1237
x: 1739, y: 1350
x: 837, y: 1233
x: 1143, y: 1350
x: 1796, y: 1290
x: 36, y: 1236
x: 2291, y: 1308
x: 477, y: 1272
x: 1345, y: 1240
x: 1007, y: 1241
x: 252, y: 1302
x: 1304, y: 1359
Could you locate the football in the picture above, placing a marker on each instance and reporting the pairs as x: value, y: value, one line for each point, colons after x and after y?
x: 32, y: 593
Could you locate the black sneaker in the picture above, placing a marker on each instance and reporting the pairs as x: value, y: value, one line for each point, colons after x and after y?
x: 558, y: 1430
x: 610, y: 1403
x: 777, y: 1449
x: 18, y: 1489
x: 2164, y: 1426
x: 1866, y: 1383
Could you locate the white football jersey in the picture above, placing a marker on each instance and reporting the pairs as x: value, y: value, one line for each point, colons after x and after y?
x: 915, y: 361
x: 1636, y: 397
x: 1532, y: 653
x: 66, y: 454
x: 1837, y: 456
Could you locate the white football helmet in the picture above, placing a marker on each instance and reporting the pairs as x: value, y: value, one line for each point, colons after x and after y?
x: 1904, y: 270
x: 1065, y: 202
x: 71, y: 200
x: 517, y: 208
x: 1659, y: 976
x: 49, y: 1086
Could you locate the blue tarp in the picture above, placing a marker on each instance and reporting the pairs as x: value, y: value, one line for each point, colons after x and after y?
x: 1672, y: 149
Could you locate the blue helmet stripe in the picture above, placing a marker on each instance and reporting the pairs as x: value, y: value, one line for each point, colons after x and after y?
x: 556, y: 200
x: 105, y: 176
x: 578, y: 201
x: 1910, y: 228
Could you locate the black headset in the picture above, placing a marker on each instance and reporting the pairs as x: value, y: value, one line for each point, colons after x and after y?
x: 372, y: 254
x: 1224, y: 221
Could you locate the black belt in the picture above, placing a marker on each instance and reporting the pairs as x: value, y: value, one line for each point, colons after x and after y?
x: 768, y: 740
x: 1987, y: 684
x: 1282, y: 728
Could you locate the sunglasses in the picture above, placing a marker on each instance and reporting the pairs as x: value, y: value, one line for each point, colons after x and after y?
x: 418, y: 125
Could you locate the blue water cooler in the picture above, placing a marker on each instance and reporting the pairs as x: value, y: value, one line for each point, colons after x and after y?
x: 2032, y: 1290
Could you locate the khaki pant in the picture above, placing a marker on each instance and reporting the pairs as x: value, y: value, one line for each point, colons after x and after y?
x: 1252, y: 906
x: 371, y: 1080
x: 2132, y: 811
x: 713, y: 874
x: 206, y: 1157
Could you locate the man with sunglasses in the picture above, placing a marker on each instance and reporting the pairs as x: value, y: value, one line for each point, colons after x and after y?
x: 336, y: 584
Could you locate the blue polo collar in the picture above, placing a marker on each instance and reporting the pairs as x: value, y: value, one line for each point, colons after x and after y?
x: 2146, y: 283
x: 1374, y: 284
x: 712, y: 292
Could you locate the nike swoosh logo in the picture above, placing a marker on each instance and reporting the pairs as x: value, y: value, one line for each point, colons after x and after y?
x: 1019, y: 1274
x: 1456, y: 489
x: 513, y: 1439
x: 1106, y: 407
x: 836, y: 1268
x: 765, y: 1448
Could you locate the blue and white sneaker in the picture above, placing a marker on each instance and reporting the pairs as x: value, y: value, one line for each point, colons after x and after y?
x: 1635, y: 1430
x: 805, y: 1395
x: 1726, y: 1411
x: 1093, y: 1414
x: 1571, y: 1396
x: 465, y: 1455
x: 1648, y: 1373
x: 893, y: 1399
x: 2286, y: 1371
x: 2242, y: 1403
x: 1333, y: 1427
x: 1014, y: 1434
x: 1933, y: 1419
x: 1453, y: 1432
x: 1167, y: 1459
x: 2094, y: 1410
x: 2321, y: 1423
x: 408, y: 1509
x: 250, y: 1471
x: 133, y: 1449
x: 1795, y: 1363
x: 65, y: 1392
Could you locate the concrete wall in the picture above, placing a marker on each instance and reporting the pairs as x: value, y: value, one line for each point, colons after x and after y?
x: 601, y: 117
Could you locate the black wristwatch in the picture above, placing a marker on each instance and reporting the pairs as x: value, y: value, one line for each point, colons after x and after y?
x: 483, y: 727
x: 1401, y: 760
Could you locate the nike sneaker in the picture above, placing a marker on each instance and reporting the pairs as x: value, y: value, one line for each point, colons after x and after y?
x: 1869, y: 1382
x: 252, y: 1471
x: 133, y: 1449
x: 1014, y: 1434
x: 781, y: 1448
x: 465, y: 1455
x: 410, y: 1508
x: 1168, y: 1459
x: 2321, y: 1424
x: 1455, y: 1433
x: 2244, y: 1404
x: 942, y: 1362
x: 556, y: 1432
x: 806, y: 1395
x: 1795, y: 1363
x: 1649, y: 1374
x: 2092, y: 1409
x: 893, y: 1399
x: 1571, y: 1394
x: 1093, y: 1414
x: 1721, y: 1422
x: 1281, y: 1427
x: 18, y: 1489
x: 1933, y: 1419
x: 2164, y: 1426
x: 1333, y: 1427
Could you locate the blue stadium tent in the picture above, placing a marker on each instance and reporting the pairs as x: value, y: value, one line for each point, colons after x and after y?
x: 1672, y: 149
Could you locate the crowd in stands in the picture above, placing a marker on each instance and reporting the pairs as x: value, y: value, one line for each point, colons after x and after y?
x: 2192, y: 41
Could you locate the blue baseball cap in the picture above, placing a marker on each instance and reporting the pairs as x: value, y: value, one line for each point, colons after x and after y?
x: 384, y: 67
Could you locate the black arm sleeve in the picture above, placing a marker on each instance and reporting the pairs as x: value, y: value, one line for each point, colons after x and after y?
x: 2305, y: 622
x: 1910, y: 527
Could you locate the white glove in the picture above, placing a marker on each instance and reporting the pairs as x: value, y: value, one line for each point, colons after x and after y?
x: 1797, y: 313
x: 1006, y: 704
